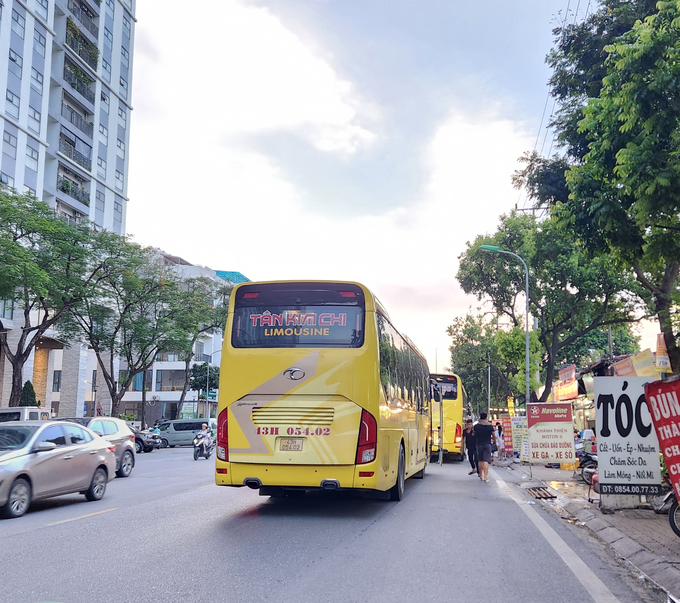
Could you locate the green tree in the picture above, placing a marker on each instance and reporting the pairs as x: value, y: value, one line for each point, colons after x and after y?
x: 47, y: 268
x: 596, y: 344
x: 204, y: 375
x: 615, y: 77
x: 28, y: 395
x: 570, y: 294
x: 627, y: 188
x: 511, y: 347
x: 131, y: 316
x: 202, y: 306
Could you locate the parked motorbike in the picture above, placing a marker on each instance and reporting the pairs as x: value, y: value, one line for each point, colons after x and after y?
x: 668, y: 503
x: 588, y: 465
x: 199, y: 449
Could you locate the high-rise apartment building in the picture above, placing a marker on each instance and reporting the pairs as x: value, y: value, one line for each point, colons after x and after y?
x: 66, y: 75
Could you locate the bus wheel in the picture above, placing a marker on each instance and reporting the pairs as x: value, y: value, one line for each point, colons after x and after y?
x: 397, y: 491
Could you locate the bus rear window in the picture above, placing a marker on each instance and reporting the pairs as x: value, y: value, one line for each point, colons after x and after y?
x: 292, y: 315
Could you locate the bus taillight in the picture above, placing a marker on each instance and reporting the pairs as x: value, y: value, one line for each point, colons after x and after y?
x: 368, y: 437
x: 459, y: 433
x: 223, y: 436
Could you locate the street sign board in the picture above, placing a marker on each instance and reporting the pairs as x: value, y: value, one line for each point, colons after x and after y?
x: 627, y: 446
x: 551, y: 433
x: 663, y: 398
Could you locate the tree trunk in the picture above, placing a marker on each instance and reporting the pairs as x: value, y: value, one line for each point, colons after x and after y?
x: 143, y: 413
x: 17, y: 382
x: 666, y: 326
x: 187, y: 376
x: 549, y: 375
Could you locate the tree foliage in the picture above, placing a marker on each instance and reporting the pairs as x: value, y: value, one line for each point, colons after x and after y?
x: 570, y: 294
x: 28, y: 395
x: 202, y: 375
x: 616, y: 79
x: 132, y: 316
x: 47, y: 268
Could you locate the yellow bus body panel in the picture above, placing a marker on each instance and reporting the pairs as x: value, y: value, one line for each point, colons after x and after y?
x: 453, y: 415
x: 323, y: 410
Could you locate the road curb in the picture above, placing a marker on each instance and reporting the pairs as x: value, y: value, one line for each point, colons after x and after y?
x: 653, y: 566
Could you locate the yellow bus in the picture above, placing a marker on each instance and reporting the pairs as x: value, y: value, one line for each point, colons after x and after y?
x: 454, y: 401
x: 318, y: 390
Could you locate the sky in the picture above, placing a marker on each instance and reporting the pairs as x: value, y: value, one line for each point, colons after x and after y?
x: 362, y: 140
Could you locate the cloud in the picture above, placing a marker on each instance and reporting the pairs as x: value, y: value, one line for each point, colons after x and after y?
x: 198, y: 192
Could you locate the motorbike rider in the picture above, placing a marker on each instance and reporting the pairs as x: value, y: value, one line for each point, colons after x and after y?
x: 205, y: 432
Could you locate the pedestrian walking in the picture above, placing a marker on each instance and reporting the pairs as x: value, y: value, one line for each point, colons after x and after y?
x: 484, y: 433
x: 470, y: 440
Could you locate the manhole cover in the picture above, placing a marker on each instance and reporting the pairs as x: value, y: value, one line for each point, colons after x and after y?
x: 542, y: 493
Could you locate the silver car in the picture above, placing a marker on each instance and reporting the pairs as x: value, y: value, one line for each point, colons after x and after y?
x: 41, y: 460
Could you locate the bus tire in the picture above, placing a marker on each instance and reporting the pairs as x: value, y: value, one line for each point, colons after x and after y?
x: 397, y: 491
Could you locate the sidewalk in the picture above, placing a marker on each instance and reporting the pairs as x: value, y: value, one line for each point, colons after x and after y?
x: 640, y: 536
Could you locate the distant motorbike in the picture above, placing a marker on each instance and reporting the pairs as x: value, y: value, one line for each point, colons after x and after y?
x: 199, y: 449
x: 588, y: 465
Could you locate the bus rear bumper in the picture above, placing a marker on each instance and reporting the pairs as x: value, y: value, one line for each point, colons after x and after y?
x: 325, y: 477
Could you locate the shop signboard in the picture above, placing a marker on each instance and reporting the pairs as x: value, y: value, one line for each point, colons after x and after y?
x: 551, y: 433
x: 507, y: 435
x: 627, y: 446
x: 663, y: 398
x: 520, y: 443
x: 661, y: 360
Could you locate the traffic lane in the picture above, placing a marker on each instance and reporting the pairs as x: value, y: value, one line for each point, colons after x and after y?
x: 320, y: 548
x: 166, y: 472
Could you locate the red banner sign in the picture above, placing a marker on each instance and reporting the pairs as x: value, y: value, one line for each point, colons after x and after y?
x: 663, y: 401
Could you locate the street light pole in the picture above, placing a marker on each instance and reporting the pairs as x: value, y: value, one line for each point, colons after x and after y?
x: 207, y: 385
x: 495, y: 249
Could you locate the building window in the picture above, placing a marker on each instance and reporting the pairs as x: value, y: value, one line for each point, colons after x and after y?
x: 18, y: 24
x: 123, y: 88
x: 117, y: 211
x: 126, y: 27
x: 56, y: 381
x: 121, y: 148
x: 170, y: 381
x: 39, y: 43
x: 100, y: 201
x: 15, y: 63
x: 6, y: 179
x: 41, y: 8
x: 105, y: 134
x: 119, y: 180
x: 33, y: 120
x: 6, y: 308
x: 9, y: 145
x: 101, y: 167
x: 32, y: 159
x: 105, y: 102
x: 123, y: 116
x: 29, y: 191
x: 124, y: 58
x: 110, y: 7
x: 108, y: 38
x: 36, y: 80
x: 106, y: 71
x: 12, y: 104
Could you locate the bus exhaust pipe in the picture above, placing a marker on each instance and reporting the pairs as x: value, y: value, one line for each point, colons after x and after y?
x: 252, y: 482
x: 330, y: 484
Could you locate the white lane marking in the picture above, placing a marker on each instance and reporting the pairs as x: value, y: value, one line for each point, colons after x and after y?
x: 56, y: 523
x: 595, y: 587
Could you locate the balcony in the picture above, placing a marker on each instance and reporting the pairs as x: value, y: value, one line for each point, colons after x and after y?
x: 84, y: 18
x: 72, y: 189
x: 77, y: 156
x: 84, y: 49
x: 77, y: 120
x: 78, y: 85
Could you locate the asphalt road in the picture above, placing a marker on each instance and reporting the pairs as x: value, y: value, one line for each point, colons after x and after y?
x: 167, y: 533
